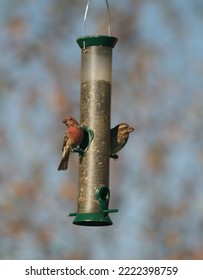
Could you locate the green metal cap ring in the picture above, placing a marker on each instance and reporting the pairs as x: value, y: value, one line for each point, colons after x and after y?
x: 99, y: 40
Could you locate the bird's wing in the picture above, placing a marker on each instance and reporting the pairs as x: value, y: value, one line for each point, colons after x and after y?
x: 65, y: 141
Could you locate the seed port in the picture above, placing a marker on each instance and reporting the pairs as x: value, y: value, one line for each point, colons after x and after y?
x: 101, y: 218
x: 87, y: 139
x: 103, y: 194
x: 103, y: 197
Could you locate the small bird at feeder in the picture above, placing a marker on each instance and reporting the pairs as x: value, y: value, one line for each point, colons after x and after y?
x: 73, y: 138
x: 118, y: 138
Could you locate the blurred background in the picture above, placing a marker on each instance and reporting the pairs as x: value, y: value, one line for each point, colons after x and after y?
x: 157, y: 182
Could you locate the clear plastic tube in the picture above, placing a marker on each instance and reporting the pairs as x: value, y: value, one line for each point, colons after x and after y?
x: 95, y: 112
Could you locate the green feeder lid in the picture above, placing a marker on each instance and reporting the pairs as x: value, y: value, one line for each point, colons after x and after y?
x: 99, y: 40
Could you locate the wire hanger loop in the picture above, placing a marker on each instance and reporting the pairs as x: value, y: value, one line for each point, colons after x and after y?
x: 85, y: 18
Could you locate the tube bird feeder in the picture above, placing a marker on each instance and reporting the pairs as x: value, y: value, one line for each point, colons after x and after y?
x: 95, y: 116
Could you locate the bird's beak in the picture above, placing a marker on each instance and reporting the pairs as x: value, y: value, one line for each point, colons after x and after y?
x: 131, y: 128
x: 64, y: 121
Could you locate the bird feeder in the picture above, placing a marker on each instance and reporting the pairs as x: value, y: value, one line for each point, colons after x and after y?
x: 95, y: 116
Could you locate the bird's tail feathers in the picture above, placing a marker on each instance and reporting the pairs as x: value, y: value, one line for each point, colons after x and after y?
x: 64, y: 162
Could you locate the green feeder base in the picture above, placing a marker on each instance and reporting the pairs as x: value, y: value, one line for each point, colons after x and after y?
x: 97, y: 218
x: 93, y: 219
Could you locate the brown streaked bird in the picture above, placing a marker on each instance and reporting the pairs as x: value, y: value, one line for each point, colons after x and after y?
x: 118, y: 138
x: 73, y: 138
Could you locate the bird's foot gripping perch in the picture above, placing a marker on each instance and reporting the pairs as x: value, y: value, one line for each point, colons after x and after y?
x: 79, y: 151
x: 114, y: 156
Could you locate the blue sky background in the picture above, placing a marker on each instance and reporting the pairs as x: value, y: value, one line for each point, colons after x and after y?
x: 157, y: 87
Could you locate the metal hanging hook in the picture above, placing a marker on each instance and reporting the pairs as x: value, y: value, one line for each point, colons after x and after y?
x: 85, y: 18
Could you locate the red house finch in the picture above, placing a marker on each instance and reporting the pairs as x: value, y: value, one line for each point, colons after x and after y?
x: 73, y: 137
x: 119, y: 137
